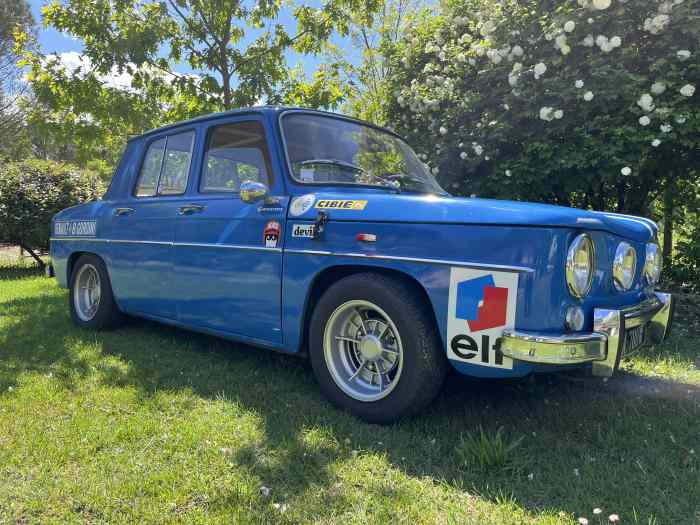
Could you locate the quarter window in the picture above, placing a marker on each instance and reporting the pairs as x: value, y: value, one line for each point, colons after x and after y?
x: 166, y: 166
x: 235, y: 153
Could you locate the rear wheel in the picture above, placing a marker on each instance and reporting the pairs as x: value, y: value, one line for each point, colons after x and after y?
x: 91, y: 301
x: 374, y: 348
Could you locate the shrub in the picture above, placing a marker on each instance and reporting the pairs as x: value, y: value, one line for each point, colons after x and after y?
x: 32, y: 191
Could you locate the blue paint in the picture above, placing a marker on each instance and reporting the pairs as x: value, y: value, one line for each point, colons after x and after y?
x: 211, y: 271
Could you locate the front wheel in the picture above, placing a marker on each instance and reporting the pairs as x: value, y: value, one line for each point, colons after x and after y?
x: 92, y: 304
x: 374, y: 348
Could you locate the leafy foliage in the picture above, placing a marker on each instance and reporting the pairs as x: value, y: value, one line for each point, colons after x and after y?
x: 31, y: 192
x: 548, y: 101
x: 486, y: 451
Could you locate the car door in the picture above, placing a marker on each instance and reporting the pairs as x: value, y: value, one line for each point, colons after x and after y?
x: 228, y: 254
x: 141, y: 227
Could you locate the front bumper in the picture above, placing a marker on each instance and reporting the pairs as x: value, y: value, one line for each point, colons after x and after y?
x: 615, y: 334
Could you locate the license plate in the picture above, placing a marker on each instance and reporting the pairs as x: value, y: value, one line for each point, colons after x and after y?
x: 634, y: 338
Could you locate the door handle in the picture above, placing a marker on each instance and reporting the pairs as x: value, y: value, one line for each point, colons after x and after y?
x: 189, y: 209
x: 123, y: 211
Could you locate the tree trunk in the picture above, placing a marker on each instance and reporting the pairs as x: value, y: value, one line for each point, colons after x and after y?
x: 27, y: 249
x: 669, y: 206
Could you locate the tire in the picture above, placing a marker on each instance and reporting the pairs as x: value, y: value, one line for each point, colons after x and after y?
x: 104, y: 314
x: 376, y: 306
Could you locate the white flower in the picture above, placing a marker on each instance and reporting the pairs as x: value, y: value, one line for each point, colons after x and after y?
x: 582, y: 521
x: 688, y: 90
x: 588, y: 96
x: 614, y: 518
x: 597, y: 511
x: 656, y: 143
x: 443, y: 130
x: 683, y: 54
x: 666, y: 128
x: 547, y: 113
x: 578, y: 84
x: 590, y: 20
x: 601, y: 40
x: 657, y: 24
x: 508, y: 173
x: 626, y: 171
x: 478, y: 149
x: 540, y: 69
x: 589, y: 41
x: 569, y: 26
x: 644, y: 120
x: 531, y: 476
x: 680, y: 119
x: 265, y: 492
x: 517, y: 51
x: 658, y: 88
x: 616, y: 41
x: 577, y: 473
x: 646, y: 102
x: 601, y: 4
x: 558, y: 114
x: 463, y: 155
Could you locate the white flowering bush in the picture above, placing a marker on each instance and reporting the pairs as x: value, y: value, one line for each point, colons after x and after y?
x: 579, y: 102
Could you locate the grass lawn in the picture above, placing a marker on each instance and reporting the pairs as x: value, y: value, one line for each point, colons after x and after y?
x: 150, y: 424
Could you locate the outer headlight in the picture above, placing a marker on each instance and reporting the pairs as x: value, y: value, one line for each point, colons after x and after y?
x: 624, y: 266
x: 652, y: 263
x: 580, y: 262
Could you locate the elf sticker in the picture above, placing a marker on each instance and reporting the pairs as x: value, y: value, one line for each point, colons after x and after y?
x: 481, y: 305
x: 271, y: 234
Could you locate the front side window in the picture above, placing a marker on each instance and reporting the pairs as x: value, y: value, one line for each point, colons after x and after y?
x: 235, y: 153
x: 166, y: 166
x: 323, y: 149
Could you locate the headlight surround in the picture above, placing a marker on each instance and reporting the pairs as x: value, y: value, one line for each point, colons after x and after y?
x: 624, y: 266
x: 580, y: 265
x: 652, y: 263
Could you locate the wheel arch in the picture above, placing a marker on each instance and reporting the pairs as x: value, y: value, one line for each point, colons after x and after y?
x: 326, y: 277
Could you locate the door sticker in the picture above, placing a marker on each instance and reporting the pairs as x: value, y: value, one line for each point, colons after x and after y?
x: 75, y: 228
x: 339, y: 204
x: 481, y: 305
x: 271, y: 234
x: 300, y: 205
x: 303, y: 230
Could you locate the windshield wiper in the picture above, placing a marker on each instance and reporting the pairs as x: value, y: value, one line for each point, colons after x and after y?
x: 387, y: 183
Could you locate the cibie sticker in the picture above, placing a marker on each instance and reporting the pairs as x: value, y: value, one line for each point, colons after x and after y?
x: 336, y: 204
x: 303, y: 230
x: 481, y: 305
x: 300, y: 205
x: 271, y: 235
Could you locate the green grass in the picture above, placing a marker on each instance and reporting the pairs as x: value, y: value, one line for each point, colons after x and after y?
x: 150, y: 424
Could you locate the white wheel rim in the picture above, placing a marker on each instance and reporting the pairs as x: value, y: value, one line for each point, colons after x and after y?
x: 87, y: 292
x: 363, y: 350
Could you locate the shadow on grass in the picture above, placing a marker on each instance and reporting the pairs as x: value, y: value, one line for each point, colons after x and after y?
x: 624, y: 444
x: 15, y: 271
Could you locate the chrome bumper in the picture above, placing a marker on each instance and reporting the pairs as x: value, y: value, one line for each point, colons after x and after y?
x: 604, y: 347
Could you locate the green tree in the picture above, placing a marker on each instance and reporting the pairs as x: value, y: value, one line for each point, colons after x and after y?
x: 15, y: 16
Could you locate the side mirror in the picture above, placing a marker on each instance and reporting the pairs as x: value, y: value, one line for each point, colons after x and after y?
x: 252, y: 191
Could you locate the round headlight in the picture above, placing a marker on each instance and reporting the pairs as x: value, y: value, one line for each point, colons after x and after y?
x: 652, y: 263
x: 624, y: 266
x: 579, y: 266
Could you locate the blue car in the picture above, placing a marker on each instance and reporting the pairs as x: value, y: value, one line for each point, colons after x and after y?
x: 308, y: 232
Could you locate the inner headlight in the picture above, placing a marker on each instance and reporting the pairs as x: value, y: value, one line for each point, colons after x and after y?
x: 580, y: 266
x: 624, y: 266
x: 652, y: 263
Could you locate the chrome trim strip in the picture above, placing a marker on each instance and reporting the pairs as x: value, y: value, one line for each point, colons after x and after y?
x: 166, y: 243
x: 553, y: 349
x: 445, y: 262
x: 442, y: 262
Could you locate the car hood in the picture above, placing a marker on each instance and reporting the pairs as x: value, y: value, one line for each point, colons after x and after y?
x: 413, y: 208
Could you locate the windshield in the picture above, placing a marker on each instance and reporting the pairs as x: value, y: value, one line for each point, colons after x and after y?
x: 331, y: 150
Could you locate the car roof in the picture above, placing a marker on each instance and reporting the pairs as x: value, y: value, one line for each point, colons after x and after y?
x: 274, y: 110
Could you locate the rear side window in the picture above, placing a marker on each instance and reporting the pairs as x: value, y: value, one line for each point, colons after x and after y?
x: 235, y: 153
x: 166, y: 166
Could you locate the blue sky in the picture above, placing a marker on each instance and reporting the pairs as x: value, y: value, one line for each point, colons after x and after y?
x: 52, y: 41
